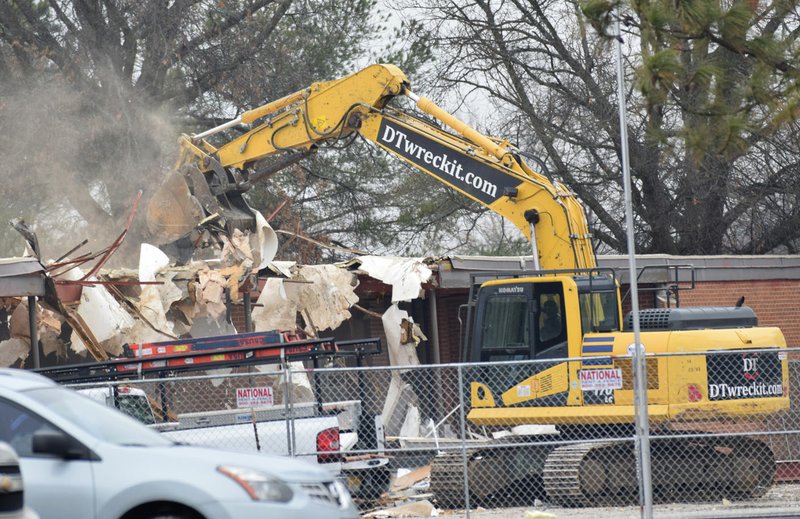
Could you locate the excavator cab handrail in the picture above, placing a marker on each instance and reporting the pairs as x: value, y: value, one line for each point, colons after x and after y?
x: 672, y: 289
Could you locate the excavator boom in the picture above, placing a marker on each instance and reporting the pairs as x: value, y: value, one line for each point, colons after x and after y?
x: 487, y: 170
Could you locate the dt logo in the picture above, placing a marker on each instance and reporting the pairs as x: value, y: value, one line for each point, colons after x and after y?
x: 750, y: 366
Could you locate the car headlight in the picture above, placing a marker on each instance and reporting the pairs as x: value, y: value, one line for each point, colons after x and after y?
x: 259, y: 485
x: 340, y: 492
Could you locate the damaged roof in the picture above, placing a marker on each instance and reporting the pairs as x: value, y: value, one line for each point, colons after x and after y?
x: 21, y: 277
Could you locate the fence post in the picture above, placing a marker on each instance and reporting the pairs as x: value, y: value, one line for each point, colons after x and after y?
x: 286, y: 408
x: 291, y: 411
x: 463, y: 437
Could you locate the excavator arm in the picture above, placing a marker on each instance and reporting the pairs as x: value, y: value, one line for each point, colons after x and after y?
x: 487, y: 170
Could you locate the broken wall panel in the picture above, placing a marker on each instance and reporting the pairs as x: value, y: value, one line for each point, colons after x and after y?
x: 14, y: 350
x: 405, y: 275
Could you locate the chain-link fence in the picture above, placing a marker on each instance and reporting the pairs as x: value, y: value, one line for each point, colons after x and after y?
x: 723, y: 426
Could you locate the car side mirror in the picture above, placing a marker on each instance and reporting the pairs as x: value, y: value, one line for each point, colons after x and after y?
x: 57, y: 443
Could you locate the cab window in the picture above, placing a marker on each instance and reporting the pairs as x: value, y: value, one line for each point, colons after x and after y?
x: 506, y: 326
x: 551, y: 323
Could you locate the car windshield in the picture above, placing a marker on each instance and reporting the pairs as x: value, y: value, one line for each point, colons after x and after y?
x: 102, y: 422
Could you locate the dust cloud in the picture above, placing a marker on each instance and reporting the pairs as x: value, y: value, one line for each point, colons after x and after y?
x: 73, y: 163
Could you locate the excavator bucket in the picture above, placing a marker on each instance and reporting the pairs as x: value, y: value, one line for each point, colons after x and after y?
x: 173, y: 211
x: 190, y: 200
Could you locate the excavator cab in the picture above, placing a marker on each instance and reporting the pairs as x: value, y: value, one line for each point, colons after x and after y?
x: 524, y: 318
x: 542, y: 316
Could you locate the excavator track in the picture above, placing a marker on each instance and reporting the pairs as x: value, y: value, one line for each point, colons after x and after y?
x: 683, y: 469
x: 603, y: 473
x: 751, y: 465
x: 589, y: 474
x: 447, y: 479
x: 507, y: 473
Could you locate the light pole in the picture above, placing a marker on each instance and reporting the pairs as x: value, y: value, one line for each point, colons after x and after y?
x: 639, y: 370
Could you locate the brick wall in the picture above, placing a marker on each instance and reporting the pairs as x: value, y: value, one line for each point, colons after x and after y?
x: 776, y: 302
x: 447, y: 303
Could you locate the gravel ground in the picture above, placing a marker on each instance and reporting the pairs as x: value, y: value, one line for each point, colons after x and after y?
x: 783, y: 501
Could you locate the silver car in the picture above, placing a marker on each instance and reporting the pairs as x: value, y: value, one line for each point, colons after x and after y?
x: 82, y: 460
x: 12, y: 489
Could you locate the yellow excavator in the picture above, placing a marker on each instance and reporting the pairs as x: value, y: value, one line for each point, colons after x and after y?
x: 704, y: 365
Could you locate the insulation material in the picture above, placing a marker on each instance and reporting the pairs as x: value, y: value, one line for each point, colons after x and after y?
x: 274, y: 309
x: 279, y: 312
x: 151, y: 261
x: 48, y: 327
x: 410, y: 427
x: 154, y: 300
x: 103, y: 315
x: 13, y: 350
x: 405, y: 275
x: 402, y: 337
x: 151, y: 307
x: 400, y: 399
x: 170, y: 292
x: 234, y: 276
x: 300, y: 383
x: 326, y: 301
x: 264, y: 242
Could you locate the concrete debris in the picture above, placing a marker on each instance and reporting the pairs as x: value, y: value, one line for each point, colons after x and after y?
x: 538, y: 514
x: 526, y: 430
x: 409, y: 478
x: 283, y: 268
x: 236, y: 250
x: 209, y: 292
x: 405, y: 275
x: 417, y: 509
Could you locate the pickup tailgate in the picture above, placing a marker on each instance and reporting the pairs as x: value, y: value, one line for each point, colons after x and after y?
x: 271, y: 437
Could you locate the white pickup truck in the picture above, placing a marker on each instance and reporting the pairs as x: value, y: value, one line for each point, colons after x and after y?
x: 321, y: 436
